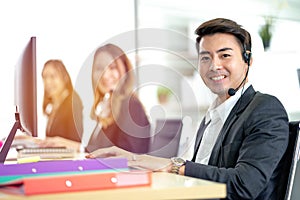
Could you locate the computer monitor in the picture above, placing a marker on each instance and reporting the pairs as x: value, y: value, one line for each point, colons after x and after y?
x: 166, y: 138
x: 25, y: 97
x: 25, y: 89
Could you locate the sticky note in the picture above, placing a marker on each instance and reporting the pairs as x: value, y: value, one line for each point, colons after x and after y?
x: 29, y: 159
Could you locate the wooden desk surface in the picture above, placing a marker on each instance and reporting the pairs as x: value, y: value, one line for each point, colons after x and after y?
x: 164, y: 186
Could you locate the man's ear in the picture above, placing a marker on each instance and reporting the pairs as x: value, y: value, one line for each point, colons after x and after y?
x: 251, y: 61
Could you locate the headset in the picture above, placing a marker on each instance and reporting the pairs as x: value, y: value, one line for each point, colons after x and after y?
x: 247, y: 58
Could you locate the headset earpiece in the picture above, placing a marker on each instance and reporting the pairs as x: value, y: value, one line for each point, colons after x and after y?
x: 247, y: 57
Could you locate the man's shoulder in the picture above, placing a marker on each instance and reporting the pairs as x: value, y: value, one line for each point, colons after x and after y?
x: 265, y: 97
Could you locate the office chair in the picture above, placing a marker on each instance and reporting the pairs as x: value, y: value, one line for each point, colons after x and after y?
x: 166, y: 138
x: 290, y: 160
x: 294, y: 191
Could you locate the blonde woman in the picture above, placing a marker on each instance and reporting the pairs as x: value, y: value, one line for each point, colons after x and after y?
x: 121, y: 118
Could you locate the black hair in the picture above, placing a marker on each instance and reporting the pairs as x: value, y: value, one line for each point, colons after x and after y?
x: 222, y: 25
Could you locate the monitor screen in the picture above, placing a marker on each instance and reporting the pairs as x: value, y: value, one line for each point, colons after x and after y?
x: 25, y: 88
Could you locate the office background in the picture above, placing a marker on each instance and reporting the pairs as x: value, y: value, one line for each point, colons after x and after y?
x: 71, y: 30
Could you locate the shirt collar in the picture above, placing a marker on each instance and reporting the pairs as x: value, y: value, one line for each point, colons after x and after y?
x: 222, y: 110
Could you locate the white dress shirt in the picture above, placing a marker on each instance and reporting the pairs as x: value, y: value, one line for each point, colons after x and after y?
x: 216, y: 116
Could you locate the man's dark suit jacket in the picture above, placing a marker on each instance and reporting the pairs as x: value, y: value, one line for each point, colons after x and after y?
x: 248, y: 153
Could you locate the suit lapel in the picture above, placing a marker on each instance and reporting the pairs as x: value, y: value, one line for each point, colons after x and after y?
x: 199, y: 137
x: 232, y: 117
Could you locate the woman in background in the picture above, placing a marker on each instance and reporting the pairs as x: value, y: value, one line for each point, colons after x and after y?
x: 121, y: 118
x: 61, y: 104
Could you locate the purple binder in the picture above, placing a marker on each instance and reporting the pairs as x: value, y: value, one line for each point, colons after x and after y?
x: 63, y: 166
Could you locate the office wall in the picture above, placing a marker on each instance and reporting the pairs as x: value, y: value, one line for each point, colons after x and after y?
x: 66, y: 30
x: 274, y: 71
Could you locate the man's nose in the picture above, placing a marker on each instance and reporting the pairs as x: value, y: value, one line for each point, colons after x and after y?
x: 215, y: 64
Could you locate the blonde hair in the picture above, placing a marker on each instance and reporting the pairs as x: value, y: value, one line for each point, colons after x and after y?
x: 124, y: 89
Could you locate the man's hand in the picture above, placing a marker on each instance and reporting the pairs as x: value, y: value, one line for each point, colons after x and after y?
x: 134, y: 160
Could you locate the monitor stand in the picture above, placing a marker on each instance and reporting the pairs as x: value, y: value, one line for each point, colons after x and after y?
x: 8, y: 141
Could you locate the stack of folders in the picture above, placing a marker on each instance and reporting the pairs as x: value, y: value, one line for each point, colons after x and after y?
x: 70, y: 175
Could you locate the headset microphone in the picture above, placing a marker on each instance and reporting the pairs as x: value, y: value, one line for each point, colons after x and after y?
x: 231, y: 91
x: 247, y: 58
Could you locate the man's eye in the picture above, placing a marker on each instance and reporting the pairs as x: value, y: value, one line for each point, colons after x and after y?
x: 225, y: 55
x: 204, y: 59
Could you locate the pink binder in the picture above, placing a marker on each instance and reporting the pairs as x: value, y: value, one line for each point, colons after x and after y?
x: 62, y: 166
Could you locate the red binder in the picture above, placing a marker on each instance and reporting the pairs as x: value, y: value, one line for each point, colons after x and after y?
x: 68, y: 182
x: 81, y: 182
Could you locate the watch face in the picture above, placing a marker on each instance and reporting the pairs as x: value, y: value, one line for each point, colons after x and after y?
x: 178, y: 161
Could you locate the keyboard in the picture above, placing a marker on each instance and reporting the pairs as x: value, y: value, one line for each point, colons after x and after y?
x: 47, y: 152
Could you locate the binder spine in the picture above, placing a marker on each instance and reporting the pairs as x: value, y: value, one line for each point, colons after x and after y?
x: 62, y: 166
x: 94, y: 181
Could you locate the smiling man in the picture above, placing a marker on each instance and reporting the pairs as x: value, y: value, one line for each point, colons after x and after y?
x: 246, y: 132
x: 244, y: 135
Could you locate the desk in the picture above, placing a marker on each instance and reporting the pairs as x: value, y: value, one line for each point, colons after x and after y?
x: 164, y: 186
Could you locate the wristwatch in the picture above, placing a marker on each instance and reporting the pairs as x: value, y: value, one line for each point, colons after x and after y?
x: 176, y: 164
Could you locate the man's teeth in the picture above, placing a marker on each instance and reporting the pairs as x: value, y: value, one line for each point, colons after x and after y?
x: 217, y: 78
